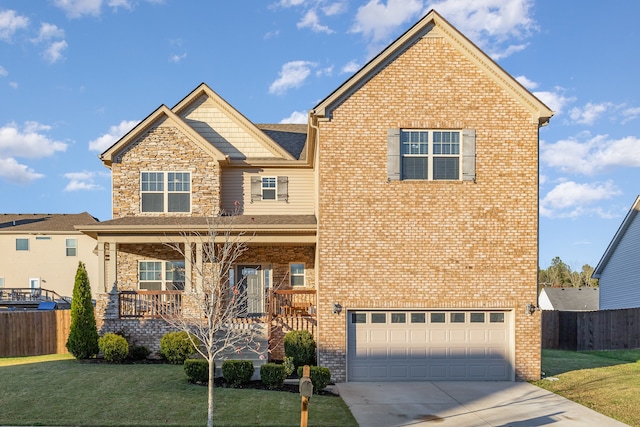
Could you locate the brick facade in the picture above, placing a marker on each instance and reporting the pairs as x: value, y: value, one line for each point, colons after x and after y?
x: 428, y: 244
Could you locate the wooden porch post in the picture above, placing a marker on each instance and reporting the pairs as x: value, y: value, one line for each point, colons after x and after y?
x: 187, y: 266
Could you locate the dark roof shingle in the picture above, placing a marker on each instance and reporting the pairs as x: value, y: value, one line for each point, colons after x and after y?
x: 44, y: 222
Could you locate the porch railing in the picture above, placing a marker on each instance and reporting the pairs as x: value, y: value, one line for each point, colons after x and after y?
x: 153, y: 304
x: 28, y: 295
x: 293, y: 302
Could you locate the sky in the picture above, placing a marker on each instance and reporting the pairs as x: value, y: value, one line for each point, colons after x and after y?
x: 76, y: 75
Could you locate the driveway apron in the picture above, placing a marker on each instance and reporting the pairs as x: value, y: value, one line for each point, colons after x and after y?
x: 464, y: 404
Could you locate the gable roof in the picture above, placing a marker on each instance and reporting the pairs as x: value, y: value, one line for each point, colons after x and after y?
x: 43, y: 223
x: 233, y: 114
x: 571, y: 299
x: 160, y: 114
x: 626, y: 222
x: 432, y: 22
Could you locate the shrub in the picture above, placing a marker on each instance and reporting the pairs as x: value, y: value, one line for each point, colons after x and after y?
x: 272, y: 375
x: 115, y: 348
x: 289, y: 367
x: 237, y: 372
x: 139, y: 352
x: 197, y: 370
x: 319, y: 375
x: 175, y: 347
x: 300, y: 346
x: 83, y: 335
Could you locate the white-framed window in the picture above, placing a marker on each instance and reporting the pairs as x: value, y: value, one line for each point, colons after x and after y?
x: 71, y: 246
x: 161, y: 275
x: 165, y: 191
x: 269, y: 188
x: 296, y: 274
x: 22, y: 244
x: 430, y: 154
x: 269, y: 185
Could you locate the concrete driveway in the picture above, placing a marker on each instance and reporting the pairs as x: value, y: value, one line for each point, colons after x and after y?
x: 464, y: 404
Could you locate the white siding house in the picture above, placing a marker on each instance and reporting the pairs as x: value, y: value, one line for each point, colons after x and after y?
x: 619, y: 268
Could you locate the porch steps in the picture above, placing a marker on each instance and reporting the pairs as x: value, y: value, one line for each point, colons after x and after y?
x: 258, y: 353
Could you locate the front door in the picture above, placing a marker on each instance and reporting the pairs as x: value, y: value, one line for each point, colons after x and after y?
x: 251, y: 282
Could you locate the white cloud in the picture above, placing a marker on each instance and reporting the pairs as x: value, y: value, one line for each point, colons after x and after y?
x: 335, y: 8
x: 125, y: 4
x: 47, y: 32
x: 524, y: 81
x: 116, y: 132
x: 377, y: 21
x: 592, y: 156
x: 53, y: 53
x: 310, y: 20
x: 327, y: 71
x: 84, y: 180
x: 489, y: 23
x: 293, y: 74
x: 289, y: 3
x: 3, y: 71
x: 299, y: 117
x: 13, y: 171
x: 554, y: 100
x: 10, y: 23
x: 589, y: 113
x: 570, y: 199
x: 630, y: 114
x: 79, y: 8
x: 177, y: 58
x: 350, y: 67
x: 27, y: 142
x: 13, y: 85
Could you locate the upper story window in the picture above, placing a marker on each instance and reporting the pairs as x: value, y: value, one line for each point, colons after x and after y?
x: 269, y: 188
x: 165, y: 191
x: 161, y: 275
x: 71, y: 247
x: 22, y: 244
x: 431, y: 154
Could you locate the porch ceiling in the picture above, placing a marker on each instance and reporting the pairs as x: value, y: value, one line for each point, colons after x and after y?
x: 258, y: 229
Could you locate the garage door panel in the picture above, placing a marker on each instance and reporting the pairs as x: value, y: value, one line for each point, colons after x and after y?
x: 429, y: 345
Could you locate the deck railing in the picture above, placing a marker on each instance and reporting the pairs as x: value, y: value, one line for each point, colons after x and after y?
x: 28, y: 295
x: 293, y: 302
x: 153, y: 304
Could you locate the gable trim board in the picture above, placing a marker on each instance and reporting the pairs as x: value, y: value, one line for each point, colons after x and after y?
x: 434, y: 25
x: 626, y: 222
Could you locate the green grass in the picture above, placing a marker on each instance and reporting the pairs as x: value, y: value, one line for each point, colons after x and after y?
x: 605, y: 381
x: 60, y: 391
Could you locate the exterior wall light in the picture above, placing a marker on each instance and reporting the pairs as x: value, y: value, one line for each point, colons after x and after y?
x: 337, y: 308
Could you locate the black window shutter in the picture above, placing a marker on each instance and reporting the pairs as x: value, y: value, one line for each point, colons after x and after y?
x: 256, y: 188
x: 393, y: 154
x: 468, y: 155
x: 283, y: 188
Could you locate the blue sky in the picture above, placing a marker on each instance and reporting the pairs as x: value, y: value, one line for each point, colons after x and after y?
x: 75, y: 75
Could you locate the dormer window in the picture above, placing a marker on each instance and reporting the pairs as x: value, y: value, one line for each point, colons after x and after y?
x: 165, y: 191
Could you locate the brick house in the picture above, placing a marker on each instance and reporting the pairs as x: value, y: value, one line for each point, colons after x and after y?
x: 403, y: 217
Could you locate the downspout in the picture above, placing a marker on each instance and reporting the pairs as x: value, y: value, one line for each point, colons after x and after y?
x: 316, y: 161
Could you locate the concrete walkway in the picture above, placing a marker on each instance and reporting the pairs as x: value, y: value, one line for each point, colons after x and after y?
x: 464, y: 404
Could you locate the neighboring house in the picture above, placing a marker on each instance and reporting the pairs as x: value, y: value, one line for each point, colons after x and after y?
x: 42, y: 251
x: 569, y: 299
x: 405, y: 213
x: 618, y: 271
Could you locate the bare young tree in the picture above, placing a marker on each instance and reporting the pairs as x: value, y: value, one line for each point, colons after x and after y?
x: 216, y: 300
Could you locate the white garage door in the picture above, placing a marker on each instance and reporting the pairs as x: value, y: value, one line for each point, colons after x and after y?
x: 429, y: 345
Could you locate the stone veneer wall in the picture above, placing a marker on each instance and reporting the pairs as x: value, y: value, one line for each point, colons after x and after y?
x: 164, y: 148
x: 428, y: 244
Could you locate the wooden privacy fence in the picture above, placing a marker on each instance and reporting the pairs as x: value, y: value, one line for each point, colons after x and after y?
x: 591, y: 330
x: 32, y: 333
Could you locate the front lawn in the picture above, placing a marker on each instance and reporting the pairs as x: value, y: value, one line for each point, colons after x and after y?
x: 605, y: 381
x: 58, y: 390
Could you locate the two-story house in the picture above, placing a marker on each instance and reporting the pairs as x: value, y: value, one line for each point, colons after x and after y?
x: 399, y: 225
